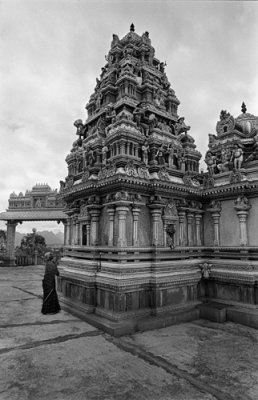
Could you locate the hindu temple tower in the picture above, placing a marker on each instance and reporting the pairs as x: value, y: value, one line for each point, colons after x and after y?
x: 136, y: 254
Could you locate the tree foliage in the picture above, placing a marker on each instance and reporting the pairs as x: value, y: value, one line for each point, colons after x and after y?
x: 32, y: 242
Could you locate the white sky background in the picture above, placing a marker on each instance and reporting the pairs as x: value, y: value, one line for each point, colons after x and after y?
x: 52, y: 51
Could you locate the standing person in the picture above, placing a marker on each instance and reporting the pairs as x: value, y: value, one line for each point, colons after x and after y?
x: 50, y: 300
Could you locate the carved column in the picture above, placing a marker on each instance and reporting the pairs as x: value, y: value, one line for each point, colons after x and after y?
x: 190, y: 217
x: 94, y: 226
x: 78, y: 232
x: 156, y: 211
x: 65, y: 232
x: 136, y: 212
x: 181, y: 215
x: 198, y: 218
x: 215, y: 209
x: 242, y: 208
x: 216, y: 226
x: 111, y: 214
x: 86, y: 222
x: 122, y: 212
x: 10, y: 241
x: 74, y: 230
x: 88, y: 233
x: 69, y: 231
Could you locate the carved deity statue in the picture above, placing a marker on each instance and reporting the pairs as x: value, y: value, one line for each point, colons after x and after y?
x: 181, y: 127
x: 79, y: 125
x: 145, y: 151
x: 161, y: 155
x: 210, y: 160
x: 181, y: 159
x: 104, y: 154
x: 170, y: 155
x: 237, y: 156
x: 90, y: 157
x: 223, y: 165
x: 171, y: 233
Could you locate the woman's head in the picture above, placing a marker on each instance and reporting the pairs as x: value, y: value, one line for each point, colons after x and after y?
x: 49, y: 256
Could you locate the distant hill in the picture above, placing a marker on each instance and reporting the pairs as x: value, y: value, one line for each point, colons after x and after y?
x: 51, y: 238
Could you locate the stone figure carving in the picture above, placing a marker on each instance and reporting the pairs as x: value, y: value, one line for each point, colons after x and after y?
x: 152, y: 121
x: 223, y: 165
x: 237, y: 156
x: 158, y: 98
x: 79, y: 125
x: 138, y: 113
x: 90, y: 157
x: 170, y: 155
x: 181, y: 127
x: 38, y: 203
x: 104, y: 154
x: 210, y: 160
x: 145, y: 151
x: 181, y: 160
x: 115, y: 40
x: 212, y: 140
x: 130, y: 169
x: 62, y: 185
x: 171, y: 233
x: 145, y: 38
x: 170, y: 209
x: 215, y: 204
x: 242, y: 201
x: 98, y: 100
x: 160, y: 155
x: 162, y: 66
x: 205, y: 270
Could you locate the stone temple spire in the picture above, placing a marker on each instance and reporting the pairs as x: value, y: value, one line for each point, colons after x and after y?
x: 132, y: 28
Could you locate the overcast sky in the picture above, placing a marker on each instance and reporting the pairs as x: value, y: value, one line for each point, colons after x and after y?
x: 52, y: 51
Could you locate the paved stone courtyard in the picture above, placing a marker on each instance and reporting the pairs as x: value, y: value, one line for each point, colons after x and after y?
x: 60, y: 357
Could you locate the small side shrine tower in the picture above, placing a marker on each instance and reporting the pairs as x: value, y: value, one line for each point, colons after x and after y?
x: 143, y: 224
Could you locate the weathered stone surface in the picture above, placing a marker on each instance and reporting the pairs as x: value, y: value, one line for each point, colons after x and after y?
x: 64, y: 358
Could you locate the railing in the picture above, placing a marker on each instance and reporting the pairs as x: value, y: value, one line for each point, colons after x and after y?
x: 29, y: 260
x: 147, y: 254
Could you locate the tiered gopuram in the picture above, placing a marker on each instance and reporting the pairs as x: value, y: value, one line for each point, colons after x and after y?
x: 149, y: 240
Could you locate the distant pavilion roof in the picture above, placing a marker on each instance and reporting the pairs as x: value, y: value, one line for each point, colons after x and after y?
x: 33, y: 215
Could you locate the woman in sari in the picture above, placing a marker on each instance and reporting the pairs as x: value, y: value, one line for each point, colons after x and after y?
x: 50, y: 300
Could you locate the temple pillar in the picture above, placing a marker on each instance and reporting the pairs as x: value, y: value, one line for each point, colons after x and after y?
x: 65, y: 232
x: 242, y: 216
x: 111, y: 215
x: 74, y: 231
x: 88, y: 233
x: 190, y: 217
x: 78, y: 233
x: 156, y: 216
x: 122, y: 212
x: 69, y: 231
x: 181, y: 215
x: 198, y: 218
x: 94, y: 226
x: 216, y: 221
x: 242, y: 208
x: 10, y: 241
x: 136, y: 212
x: 215, y: 209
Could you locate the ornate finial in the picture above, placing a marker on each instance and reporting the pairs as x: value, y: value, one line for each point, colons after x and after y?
x: 243, y: 108
x: 132, y: 28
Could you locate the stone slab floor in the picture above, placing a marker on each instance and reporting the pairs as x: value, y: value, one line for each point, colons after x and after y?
x: 60, y: 357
